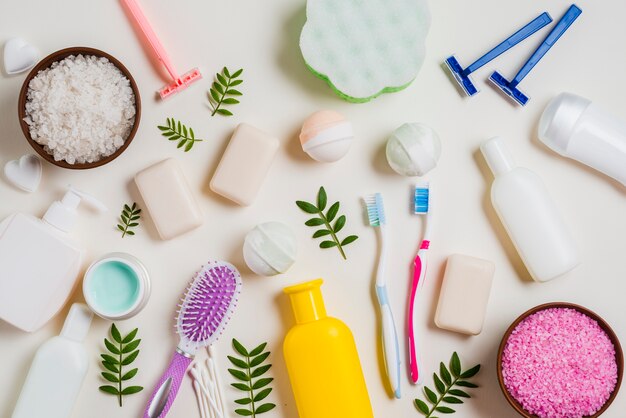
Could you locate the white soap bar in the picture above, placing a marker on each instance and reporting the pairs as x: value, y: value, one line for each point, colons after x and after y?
x: 168, y: 199
x: 464, y: 294
x: 244, y: 165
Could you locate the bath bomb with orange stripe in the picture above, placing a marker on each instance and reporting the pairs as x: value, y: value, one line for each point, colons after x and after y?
x: 326, y: 136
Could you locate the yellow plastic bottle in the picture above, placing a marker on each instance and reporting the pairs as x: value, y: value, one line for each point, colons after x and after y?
x: 322, y: 360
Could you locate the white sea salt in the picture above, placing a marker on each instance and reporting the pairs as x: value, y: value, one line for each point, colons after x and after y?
x: 81, y: 109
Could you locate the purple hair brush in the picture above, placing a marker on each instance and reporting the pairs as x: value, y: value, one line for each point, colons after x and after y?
x: 205, y: 309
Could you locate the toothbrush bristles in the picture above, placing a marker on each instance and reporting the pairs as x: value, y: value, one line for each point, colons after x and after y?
x: 375, y: 209
x: 421, y: 199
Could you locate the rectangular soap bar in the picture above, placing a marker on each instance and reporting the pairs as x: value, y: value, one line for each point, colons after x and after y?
x: 244, y: 165
x: 464, y: 294
x: 168, y: 199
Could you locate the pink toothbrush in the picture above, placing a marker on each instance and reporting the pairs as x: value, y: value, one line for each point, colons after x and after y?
x: 421, y: 207
x: 205, y: 309
x: 178, y: 83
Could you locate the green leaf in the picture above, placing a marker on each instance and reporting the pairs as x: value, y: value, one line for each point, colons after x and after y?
x: 185, y: 133
x: 163, y: 128
x: 238, y: 374
x: 265, y: 407
x: 130, y: 233
x: 341, y: 222
x: 244, y: 401
x: 452, y: 399
x: 111, y: 347
x: 178, y: 127
x: 110, y: 377
x: 459, y: 392
x: 262, y: 394
x: 445, y: 410
x: 221, y: 79
x: 224, y: 112
x: 130, y: 358
x: 422, y: 407
x: 322, y: 198
x: 226, y: 72
x: 471, y: 372
x: 441, y: 388
x: 120, y: 227
x: 109, y: 389
x: 349, y: 240
x: 189, y: 145
x: 181, y: 143
x: 236, y: 83
x: 131, y: 335
x: 191, y: 132
x: 230, y: 101
x: 126, y: 208
x: 321, y: 233
x: 234, y: 92
x: 130, y: 374
x: 237, y: 362
x: 314, y: 222
x: 260, y: 370
x: 455, y: 364
x: 328, y: 244
x: 214, y: 95
x: 332, y: 212
x: 109, y: 359
x: 258, y: 350
x: 241, y: 386
x: 132, y: 389
x: 243, y: 412
x: 127, y: 217
x: 240, y: 348
x: 432, y: 396
x: 259, y: 359
x: 237, y: 73
x: 110, y: 366
x: 307, y: 207
x: 445, y: 374
x: 466, y: 384
x: 262, y: 382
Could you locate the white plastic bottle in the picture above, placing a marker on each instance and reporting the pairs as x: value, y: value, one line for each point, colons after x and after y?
x: 39, y: 262
x: 57, y: 371
x: 576, y: 128
x: 529, y: 216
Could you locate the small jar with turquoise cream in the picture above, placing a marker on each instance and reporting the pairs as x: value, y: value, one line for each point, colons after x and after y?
x: 116, y: 286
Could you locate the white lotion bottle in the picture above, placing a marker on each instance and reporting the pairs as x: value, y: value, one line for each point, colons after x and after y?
x: 578, y: 129
x: 57, y: 371
x: 529, y: 216
x: 39, y: 262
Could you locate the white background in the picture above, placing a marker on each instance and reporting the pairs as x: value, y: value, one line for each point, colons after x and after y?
x: 262, y: 37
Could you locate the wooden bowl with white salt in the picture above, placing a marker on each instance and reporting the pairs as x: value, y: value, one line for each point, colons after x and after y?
x: 85, y: 113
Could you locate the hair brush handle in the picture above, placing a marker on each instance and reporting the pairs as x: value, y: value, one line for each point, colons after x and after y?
x: 167, y: 388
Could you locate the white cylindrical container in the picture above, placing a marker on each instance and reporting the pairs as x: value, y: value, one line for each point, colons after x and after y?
x: 57, y: 371
x: 529, y: 216
x: 116, y: 286
x: 576, y: 128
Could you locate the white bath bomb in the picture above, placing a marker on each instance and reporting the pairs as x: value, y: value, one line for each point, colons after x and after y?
x: 413, y: 149
x: 326, y: 136
x: 270, y: 249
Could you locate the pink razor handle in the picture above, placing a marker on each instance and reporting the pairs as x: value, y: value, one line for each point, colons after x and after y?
x: 419, y: 273
x: 167, y: 388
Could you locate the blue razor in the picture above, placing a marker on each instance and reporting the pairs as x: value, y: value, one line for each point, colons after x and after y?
x: 510, y: 87
x: 462, y: 76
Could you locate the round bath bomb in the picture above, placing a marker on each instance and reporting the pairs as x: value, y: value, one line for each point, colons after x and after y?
x: 326, y: 136
x: 413, y: 149
x: 270, y: 249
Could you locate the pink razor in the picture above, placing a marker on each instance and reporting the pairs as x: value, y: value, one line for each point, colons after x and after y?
x: 205, y: 309
x: 178, y: 83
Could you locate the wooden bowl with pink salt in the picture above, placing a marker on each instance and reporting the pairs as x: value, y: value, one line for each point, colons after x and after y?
x: 560, y: 360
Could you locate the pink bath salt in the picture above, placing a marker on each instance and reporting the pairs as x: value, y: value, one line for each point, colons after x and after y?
x: 559, y: 363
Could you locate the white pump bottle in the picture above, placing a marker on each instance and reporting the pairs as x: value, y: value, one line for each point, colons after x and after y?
x: 39, y: 262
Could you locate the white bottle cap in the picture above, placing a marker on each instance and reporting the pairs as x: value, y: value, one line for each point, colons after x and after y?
x: 77, y: 323
x: 498, y: 156
x: 62, y: 214
x: 559, y: 119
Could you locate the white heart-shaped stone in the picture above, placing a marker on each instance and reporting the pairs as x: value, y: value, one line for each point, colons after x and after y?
x: 19, y: 56
x: 24, y: 173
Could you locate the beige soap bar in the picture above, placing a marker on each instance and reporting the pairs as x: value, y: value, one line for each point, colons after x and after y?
x: 168, y: 199
x: 244, y: 165
x: 464, y: 294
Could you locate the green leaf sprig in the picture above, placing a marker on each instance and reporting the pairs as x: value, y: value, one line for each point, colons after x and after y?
x: 222, y: 91
x: 177, y: 131
x: 123, y: 351
x: 325, y: 220
x: 447, y: 384
x: 249, y: 369
x: 129, y: 217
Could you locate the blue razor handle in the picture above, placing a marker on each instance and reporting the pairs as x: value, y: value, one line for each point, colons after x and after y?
x: 462, y: 75
x: 510, y: 87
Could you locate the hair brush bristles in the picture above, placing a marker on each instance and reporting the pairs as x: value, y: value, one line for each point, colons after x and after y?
x: 208, y: 304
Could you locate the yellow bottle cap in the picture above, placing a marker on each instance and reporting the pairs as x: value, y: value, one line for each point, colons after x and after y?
x: 307, y: 301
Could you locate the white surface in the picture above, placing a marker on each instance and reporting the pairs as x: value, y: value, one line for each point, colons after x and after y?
x: 279, y: 93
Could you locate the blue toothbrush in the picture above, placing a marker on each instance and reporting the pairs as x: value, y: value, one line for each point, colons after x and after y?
x: 510, y: 87
x: 462, y: 76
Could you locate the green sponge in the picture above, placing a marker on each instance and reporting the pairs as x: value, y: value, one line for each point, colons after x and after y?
x: 364, y: 48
